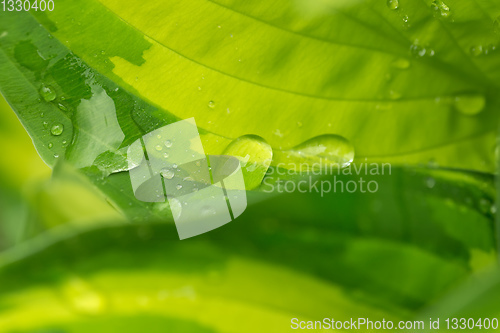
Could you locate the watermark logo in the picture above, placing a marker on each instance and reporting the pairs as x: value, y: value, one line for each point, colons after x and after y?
x: 304, y: 178
x: 204, y: 192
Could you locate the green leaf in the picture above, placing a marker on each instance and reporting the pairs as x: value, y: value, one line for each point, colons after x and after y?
x: 398, y: 91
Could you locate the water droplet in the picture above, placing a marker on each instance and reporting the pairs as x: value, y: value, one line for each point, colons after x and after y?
x: 62, y: 107
x: 45, y: 124
x: 417, y: 50
x: 470, y: 104
x: 324, y: 150
x: 50, y: 145
x: 64, y: 143
x: 158, y: 148
x: 430, y: 182
x: 42, y: 115
x: 174, y: 166
x: 401, y: 63
x: 255, y: 156
x: 489, y: 49
x: 277, y: 132
x: 476, y: 50
x: 158, y: 136
x: 405, y: 19
x: 178, y: 186
x: 168, y: 143
x: 48, y: 93
x: 211, y: 104
x: 393, y: 4
x: 57, y: 129
x: 165, y: 155
x: 441, y: 8
x: 56, y: 155
x: 299, y: 124
x: 167, y: 173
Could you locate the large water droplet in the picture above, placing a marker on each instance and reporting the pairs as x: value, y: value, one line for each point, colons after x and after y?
x: 167, y: 173
x: 470, y: 104
x: 255, y: 156
x: 393, y: 4
x: 321, y: 151
x: 48, y: 93
x: 57, y: 129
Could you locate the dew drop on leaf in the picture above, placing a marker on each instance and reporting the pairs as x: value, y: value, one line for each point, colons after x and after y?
x: 211, y: 104
x: 167, y: 173
x: 57, y: 129
x: 62, y: 107
x: 393, y: 4
x: 323, y: 150
x: 440, y: 7
x: 255, y: 156
x: 168, y: 143
x: 476, y: 50
x: 48, y: 93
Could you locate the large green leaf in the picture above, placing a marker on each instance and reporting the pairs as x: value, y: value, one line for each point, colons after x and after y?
x: 305, y: 70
